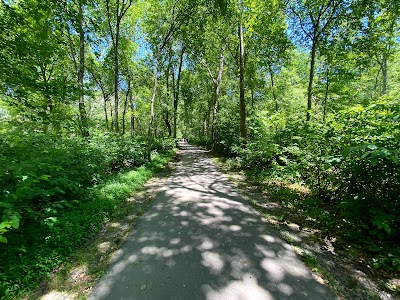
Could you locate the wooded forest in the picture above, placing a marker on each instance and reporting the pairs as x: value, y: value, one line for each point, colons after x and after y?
x: 95, y: 94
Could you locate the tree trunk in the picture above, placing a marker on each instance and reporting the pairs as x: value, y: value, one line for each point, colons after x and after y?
x: 271, y: 74
x: 204, y: 127
x: 176, y: 94
x: 121, y: 9
x: 111, y: 117
x: 50, y: 105
x: 217, y: 86
x: 166, y: 112
x: 384, y: 76
x: 167, y: 123
x: 81, y: 72
x: 105, y: 113
x: 125, y: 106
x: 116, y: 76
x: 252, y: 99
x: 207, y: 121
x: 243, y: 130
x: 153, y: 97
x: 132, y: 105
x: 105, y: 99
x: 311, y: 79
x: 326, y: 94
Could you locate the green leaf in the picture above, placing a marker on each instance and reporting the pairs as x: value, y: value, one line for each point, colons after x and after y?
x: 365, y: 155
x: 386, y: 227
x: 15, y: 221
x: 5, y: 224
x: 6, y: 205
x: 3, y: 239
x: 45, y: 177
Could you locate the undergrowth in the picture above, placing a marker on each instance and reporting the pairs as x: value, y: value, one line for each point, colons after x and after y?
x: 297, y: 204
x: 33, y: 252
x: 341, y: 176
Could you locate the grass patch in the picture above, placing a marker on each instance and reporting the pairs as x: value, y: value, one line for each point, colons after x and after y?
x: 36, y: 251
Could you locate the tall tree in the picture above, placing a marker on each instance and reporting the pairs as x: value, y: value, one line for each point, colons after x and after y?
x: 172, y: 14
x: 116, y: 10
x: 81, y: 71
x: 241, y: 62
x: 314, y: 18
x: 177, y: 88
x: 268, y: 46
x: 100, y: 75
x: 35, y: 71
x: 379, y: 32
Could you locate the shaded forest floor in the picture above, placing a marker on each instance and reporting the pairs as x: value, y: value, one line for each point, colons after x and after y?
x: 342, y: 266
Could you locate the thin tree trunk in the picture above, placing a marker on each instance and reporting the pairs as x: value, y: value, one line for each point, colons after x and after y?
x: 167, y: 123
x: 384, y: 76
x: 311, y: 79
x: 252, y: 99
x: 105, y: 99
x: 121, y: 9
x: 166, y: 113
x: 271, y: 74
x: 125, y: 107
x: 43, y: 71
x: 326, y: 94
x: 132, y: 105
x: 243, y: 129
x: 217, y: 85
x: 377, y: 77
x: 81, y: 72
x: 105, y: 113
x: 176, y: 94
x: 116, y: 76
x: 111, y: 117
x: 204, y: 127
x: 50, y: 104
x: 153, y: 97
x: 207, y: 121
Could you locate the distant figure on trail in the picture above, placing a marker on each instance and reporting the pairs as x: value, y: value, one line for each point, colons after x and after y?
x: 184, y: 140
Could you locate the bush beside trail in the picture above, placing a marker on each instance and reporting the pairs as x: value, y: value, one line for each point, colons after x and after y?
x: 350, y: 164
x: 57, y: 192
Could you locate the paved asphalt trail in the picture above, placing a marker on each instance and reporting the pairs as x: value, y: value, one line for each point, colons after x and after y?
x: 201, y: 240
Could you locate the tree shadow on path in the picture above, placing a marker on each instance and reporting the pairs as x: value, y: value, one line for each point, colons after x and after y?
x: 202, y: 240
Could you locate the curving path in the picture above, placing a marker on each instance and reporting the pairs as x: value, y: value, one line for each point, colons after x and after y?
x: 202, y: 240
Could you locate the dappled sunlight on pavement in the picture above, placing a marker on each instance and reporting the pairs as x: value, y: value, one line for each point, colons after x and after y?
x: 201, y: 240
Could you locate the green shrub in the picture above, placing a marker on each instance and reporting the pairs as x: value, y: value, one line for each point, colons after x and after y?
x: 36, y: 249
x: 365, y: 170
x: 162, y: 144
x: 352, y: 163
x: 41, y: 174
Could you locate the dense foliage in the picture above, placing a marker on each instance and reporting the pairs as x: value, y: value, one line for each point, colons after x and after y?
x: 350, y: 163
x: 299, y: 91
x: 37, y: 248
